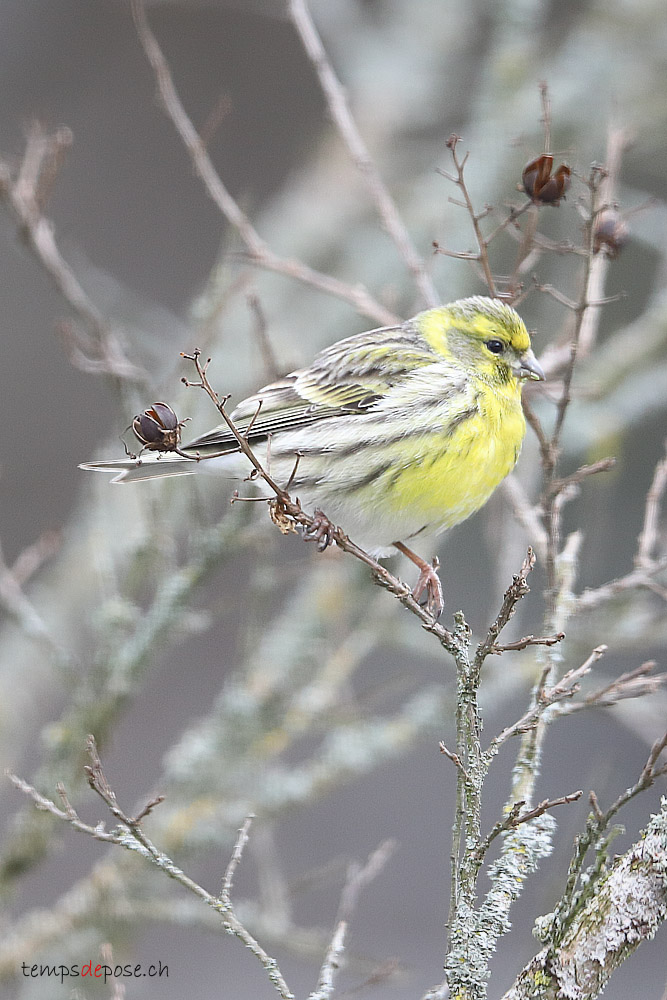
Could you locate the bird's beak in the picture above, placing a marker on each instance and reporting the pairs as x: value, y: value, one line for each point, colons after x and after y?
x: 528, y: 366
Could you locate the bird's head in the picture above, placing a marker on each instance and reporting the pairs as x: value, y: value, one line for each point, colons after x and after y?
x: 485, y: 336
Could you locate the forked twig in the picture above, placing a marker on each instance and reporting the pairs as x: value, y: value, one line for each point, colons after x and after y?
x: 514, y: 593
x: 546, y: 697
x: 632, y: 684
x: 358, y: 877
x: 596, y: 836
x: 459, y: 179
x: 93, y: 346
x: 646, y: 565
x: 515, y: 818
x: 131, y: 836
x: 258, y: 251
x: 340, y: 113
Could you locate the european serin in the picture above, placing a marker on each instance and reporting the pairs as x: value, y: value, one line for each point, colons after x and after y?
x: 401, y: 431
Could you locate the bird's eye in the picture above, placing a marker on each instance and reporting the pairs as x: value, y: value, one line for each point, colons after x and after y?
x: 495, y: 346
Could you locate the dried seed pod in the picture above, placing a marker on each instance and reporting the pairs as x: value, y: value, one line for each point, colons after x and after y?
x: 541, y: 186
x: 611, y: 232
x: 158, y: 428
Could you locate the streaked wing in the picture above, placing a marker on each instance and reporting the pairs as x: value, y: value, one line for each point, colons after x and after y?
x: 348, y: 377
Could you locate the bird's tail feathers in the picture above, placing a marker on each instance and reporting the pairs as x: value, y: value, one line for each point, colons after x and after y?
x: 151, y: 467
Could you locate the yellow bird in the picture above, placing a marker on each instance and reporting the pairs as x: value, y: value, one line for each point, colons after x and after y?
x: 401, y: 431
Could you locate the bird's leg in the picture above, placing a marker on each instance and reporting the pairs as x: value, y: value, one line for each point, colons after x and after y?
x: 320, y: 531
x: 428, y: 581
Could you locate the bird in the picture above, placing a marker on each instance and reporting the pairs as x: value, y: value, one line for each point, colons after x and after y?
x: 396, y: 433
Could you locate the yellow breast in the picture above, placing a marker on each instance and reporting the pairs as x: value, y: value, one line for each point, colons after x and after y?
x: 451, y: 474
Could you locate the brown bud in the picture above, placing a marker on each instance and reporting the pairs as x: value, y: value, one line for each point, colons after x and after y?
x: 541, y: 186
x: 158, y: 428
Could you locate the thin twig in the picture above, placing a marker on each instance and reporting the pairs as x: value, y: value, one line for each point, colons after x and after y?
x: 271, y: 366
x: 578, y: 890
x: 547, y: 696
x: 31, y: 559
x: 340, y: 112
x: 586, y: 318
x: 535, y: 424
x: 95, y: 347
x: 636, y: 579
x: 649, y: 534
x: 528, y: 251
x: 514, y: 593
x: 258, y: 251
x: 237, y: 854
x: 216, y: 116
x: 547, y: 804
x: 557, y: 357
x: 546, y: 115
x: 526, y: 513
x: 459, y: 180
x: 560, y: 485
x: 117, y: 988
x: 529, y: 640
x: 16, y: 602
x: 618, y: 140
x: 67, y: 814
x: 134, y: 839
x: 455, y: 759
x: 635, y: 683
x: 515, y: 818
x: 358, y: 877
x: 515, y: 212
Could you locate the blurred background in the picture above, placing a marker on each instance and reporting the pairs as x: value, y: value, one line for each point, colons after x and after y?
x: 217, y: 662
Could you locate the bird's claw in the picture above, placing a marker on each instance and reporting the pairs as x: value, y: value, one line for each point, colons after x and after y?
x: 428, y: 586
x: 321, y: 531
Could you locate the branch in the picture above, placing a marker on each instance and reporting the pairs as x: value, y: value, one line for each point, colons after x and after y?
x: 528, y: 640
x: 560, y: 485
x: 358, y: 877
x: 556, y: 358
x: 16, y: 602
x: 515, y: 817
x: 269, y: 361
x: 340, y: 112
x: 646, y: 566
x: 235, y: 860
x: 582, y: 887
x: 651, y: 770
x: 566, y: 687
x: 96, y: 347
x: 258, y: 251
x: 459, y: 179
x: 586, y: 311
x: 627, y: 908
x: 648, y: 537
x: 133, y: 838
x: 633, y: 684
x: 527, y: 514
x: 637, y: 579
x: 517, y: 589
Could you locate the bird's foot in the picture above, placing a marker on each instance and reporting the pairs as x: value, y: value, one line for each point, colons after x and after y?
x: 428, y: 585
x: 321, y: 531
x: 428, y: 588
